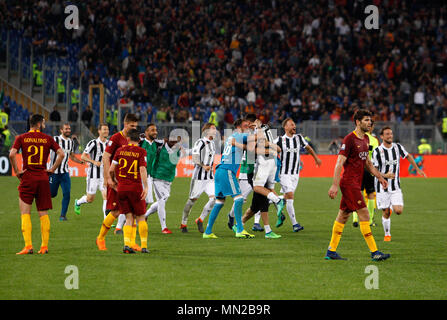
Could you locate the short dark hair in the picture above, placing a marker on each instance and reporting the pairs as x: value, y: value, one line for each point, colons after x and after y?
x: 251, y: 117
x: 130, y: 117
x: 238, y: 122
x: 35, y: 119
x: 150, y: 125
x: 102, y: 124
x: 385, y: 128
x: 361, y: 113
x: 134, y: 135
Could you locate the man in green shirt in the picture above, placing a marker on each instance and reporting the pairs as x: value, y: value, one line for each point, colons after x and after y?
x: 150, y: 144
x: 368, y: 182
x: 162, y: 173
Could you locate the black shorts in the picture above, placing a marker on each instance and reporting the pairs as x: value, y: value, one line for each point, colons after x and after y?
x: 258, y: 202
x: 368, y: 182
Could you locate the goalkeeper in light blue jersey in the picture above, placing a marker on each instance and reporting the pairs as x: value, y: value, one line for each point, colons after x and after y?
x: 226, y: 182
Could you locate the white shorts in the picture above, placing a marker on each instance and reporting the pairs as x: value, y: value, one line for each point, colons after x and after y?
x: 265, y: 172
x: 162, y: 189
x: 150, y: 196
x: 246, y: 188
x: 198, y: 187
x: 386, y: 200
x: 94, y: 184
x: 288, y: 182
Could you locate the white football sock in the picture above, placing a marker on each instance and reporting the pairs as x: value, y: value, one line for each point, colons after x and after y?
x: 258, y: 217
x: 104, y: 205
x: 187, y: 210
x: 162, y: 213
x: 121, y: 221
x: 232, y: 211
x: 291, y: 211
x: 82, y: 200
x: 386, y: 226
x: 207, y: 208
x: 267, y: 228
x: 273, y: 197
x: 152, y: 209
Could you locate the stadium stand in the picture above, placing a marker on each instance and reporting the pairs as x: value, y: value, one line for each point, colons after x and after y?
x: 311, y: 60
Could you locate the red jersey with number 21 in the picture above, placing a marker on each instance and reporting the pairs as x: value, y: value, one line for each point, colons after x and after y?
x: 35, y: 146
x: 356, y: 151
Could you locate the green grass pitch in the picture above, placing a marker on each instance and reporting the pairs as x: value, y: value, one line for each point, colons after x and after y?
x: 185, y: 266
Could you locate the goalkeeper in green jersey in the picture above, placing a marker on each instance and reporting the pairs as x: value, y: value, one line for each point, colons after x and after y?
x: 162, y: 173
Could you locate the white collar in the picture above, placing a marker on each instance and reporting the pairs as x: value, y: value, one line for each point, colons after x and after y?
x: 62, y: 137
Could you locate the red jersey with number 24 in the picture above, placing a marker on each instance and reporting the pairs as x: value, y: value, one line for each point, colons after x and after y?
x: 128, y: 160
x: 356, y: 151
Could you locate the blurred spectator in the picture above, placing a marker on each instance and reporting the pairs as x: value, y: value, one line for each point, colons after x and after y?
x: 55, y: 115
x: 424, y: 147
x: 87, y: 116
x: 73, y: 114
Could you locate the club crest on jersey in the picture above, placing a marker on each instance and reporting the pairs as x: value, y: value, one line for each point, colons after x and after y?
x: 110, y: 143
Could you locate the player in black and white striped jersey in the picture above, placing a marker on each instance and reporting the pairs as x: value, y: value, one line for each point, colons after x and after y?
x: 386, y: 158
x: 95, y: 174
x: 61, y: 176
x: 202, y: 177
x: 291, y: 144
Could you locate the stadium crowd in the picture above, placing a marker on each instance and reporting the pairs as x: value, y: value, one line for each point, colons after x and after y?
x: 310, y: 60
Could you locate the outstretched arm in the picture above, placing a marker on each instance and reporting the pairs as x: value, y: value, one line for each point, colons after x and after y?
x: 413, y: 163
x: 312, y: 152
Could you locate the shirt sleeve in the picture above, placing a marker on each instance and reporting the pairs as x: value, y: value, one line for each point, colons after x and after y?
x: 402, y: 152
x: 112, y: 146
x: 89, y: 146
x: 197, y: 147
x: 374, y: 157
x: 143, y: 162
x: 18, y: 143
x: 303, y: 141
x: 346, y: 145
x: 115, y: 157
x: 54, y: 145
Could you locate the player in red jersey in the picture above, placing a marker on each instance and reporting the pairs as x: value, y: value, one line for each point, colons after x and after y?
x: 353, y: 157
x: 128, y: 171
x: 118, y: 140
x: 33, y: 176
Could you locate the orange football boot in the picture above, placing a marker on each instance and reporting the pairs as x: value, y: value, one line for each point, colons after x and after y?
x: 101, y: 244
x: 387, y: 238
x: 136, y: 247
x: 43, y: 250
x: 26, y: 250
